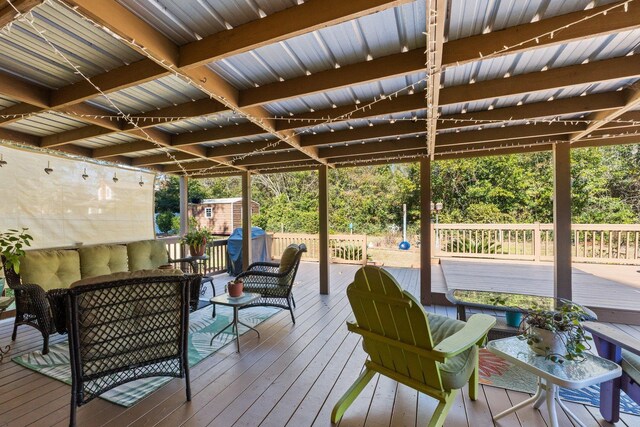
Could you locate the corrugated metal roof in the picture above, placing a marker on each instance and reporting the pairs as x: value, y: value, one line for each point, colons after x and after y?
x: 46, y: 124
x: 164, y: 92
x: 472, y: 17
x: 372, y: 36
x: 218, y: 120
x: 187, y: 20
x: 25, y: 54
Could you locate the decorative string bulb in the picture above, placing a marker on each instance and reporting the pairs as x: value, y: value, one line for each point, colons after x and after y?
x: 141, y: 182
x: 48, y: 169
x: 2, y: 161
x: 84, y: 174
x: 115, y: 177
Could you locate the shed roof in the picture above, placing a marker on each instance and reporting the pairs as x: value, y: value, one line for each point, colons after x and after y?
x: 223, y: 201
x: 212, y: 88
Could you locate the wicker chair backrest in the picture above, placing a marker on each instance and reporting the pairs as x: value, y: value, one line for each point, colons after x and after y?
x: 127, y: 329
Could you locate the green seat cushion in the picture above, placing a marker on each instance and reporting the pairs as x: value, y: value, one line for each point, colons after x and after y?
x: 51, y: 269
x: 631, y: 365
x: 103, y: 259
x: 126, y: 275
x: 288, y: 258
x: 147, y: 254
x: 455, y: 372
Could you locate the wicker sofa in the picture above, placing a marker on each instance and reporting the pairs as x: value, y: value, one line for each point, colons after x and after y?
x: 47, y: 273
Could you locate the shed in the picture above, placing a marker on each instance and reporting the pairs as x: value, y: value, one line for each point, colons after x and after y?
x: 221, y: 216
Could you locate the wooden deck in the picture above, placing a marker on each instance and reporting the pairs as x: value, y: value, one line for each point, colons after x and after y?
x: 608, y: 289
x: 292, y: 376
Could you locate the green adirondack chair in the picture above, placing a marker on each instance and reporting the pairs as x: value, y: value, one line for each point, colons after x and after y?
x: 433, y: 354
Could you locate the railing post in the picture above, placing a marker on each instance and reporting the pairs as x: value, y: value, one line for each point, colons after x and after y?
x: 537, y: 242
x: 364, y: 249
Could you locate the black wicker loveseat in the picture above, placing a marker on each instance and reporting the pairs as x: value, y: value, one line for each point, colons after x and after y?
x: 45, y: 273
x: 274, y: 281
x: 123, y: 327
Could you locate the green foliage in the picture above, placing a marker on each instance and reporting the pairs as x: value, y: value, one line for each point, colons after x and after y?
x: 499, y: 189
x: 468, y: 245
x: 165, y: 221
x: 349, y: 252
x: 12, y: 243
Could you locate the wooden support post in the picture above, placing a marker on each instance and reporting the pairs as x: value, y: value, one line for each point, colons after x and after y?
x: 246, y: 220
x: 184, y: 205
x: 323, y: 206
x: 425, y: 231
x: 562, y: 220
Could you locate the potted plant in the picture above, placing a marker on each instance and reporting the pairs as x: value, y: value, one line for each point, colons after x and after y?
x: 556, y: 334
x: 513, y: 318
x: 196, y: 238
x: 12, y: 243
x: 235, y: 288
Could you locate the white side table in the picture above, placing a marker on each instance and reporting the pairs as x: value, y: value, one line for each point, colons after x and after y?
x: 236, y: 303
x: 552, y: 376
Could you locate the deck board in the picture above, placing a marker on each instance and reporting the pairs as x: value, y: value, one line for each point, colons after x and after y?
x: 292, y: 376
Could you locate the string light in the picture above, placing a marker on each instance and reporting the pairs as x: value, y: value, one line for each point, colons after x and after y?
x: 134, y: 121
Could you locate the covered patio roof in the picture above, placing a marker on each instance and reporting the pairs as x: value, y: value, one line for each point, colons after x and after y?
x: 207, y: 89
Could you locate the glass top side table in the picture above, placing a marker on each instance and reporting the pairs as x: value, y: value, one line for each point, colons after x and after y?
x: 236, y: 304
x: 552, y: 376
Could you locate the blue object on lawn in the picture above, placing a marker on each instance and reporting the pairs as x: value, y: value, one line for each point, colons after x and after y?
x: 234, y: 249
x: 404, y: 245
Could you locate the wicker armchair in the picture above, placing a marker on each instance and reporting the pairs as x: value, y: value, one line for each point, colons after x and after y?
x: 274, y: 281
x: 32, y: 307
x: 126, y: 329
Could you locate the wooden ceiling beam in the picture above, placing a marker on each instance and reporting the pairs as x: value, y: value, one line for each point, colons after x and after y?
x: 536, y: 110
x: 217, y: 134
x: 436, y: 23
x: 19, y: 137
x: 613, y: 69
x: 507, y: 133
x: 400, y: 104
x: 8, y: 13
x: 284, y: 168
x: 157, y: 159
x: 374, y: 147
x: 468, y: 49
x: 398, y: 64
x: 123, y: 22
x: 385, y: 158
x: 271, y: 158
x: 364, y: 133
x: 494, y: 145
x: 291, y: 22
x: 494, y: 152
x: 24, y: 91
x: 602, y: 118
x: 194, y: 166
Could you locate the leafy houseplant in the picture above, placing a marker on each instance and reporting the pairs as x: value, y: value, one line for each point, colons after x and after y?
x: 556, y: 334
x: 12, y: 243
x: 196, y: 238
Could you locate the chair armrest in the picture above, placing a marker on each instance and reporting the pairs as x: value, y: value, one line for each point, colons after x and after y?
x: 248, y: 274
x: 474, y: 331
x: 264, y: 264
x: 613, y: 335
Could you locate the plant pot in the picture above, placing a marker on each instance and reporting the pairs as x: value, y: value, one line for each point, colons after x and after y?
x: 235, y: 289
x: 548, y: 342
x: 514, y: 318
x: 198, y: 249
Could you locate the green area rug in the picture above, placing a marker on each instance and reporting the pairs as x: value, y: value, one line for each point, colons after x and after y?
x: 201, y: 329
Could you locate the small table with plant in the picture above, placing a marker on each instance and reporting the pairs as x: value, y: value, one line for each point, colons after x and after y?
x: 552, y: 374
x: 236, y: 303
x: 514, y: 305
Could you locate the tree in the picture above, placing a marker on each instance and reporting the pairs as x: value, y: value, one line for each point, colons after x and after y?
x: 165, y: 221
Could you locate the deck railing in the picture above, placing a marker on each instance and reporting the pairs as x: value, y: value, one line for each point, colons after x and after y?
x: 344, y: 248
x: 597, y: 243
x: 216, y: 249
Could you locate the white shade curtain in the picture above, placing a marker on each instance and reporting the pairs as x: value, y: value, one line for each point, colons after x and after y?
x: 63, y: 208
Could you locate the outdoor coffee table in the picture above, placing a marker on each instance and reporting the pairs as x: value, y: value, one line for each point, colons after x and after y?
x: 552, y: 375
x: 513, y: 302
x: 236, y: 303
